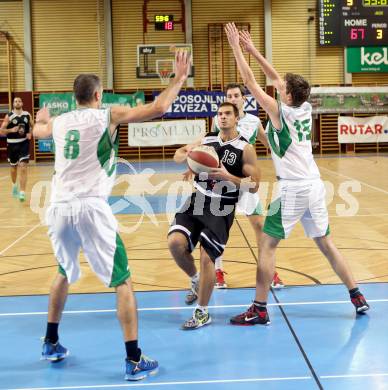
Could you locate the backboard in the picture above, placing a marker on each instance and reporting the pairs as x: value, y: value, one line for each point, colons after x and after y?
x: 157, y: 60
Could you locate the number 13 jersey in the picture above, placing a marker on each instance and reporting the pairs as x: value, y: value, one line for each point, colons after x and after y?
x: 85, y: 155
x: 291, y: 145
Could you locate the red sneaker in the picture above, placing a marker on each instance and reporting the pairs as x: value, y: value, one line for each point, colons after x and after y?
x: 251, y: 317
x: 360, y: 304
x: 276, y: 281
x: 220, y: 281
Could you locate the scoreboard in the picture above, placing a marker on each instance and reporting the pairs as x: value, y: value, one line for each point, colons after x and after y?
x: 353, y: 22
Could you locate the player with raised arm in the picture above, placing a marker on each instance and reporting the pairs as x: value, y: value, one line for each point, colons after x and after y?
x: 301, y: 192
x: 79, y: 216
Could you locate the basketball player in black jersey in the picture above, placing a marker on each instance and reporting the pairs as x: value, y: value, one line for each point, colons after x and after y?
x: 209, y: 213
x: 16, y: 126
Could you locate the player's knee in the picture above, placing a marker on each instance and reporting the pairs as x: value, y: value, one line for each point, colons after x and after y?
x: 268, y: 243
x: 177, y: 243
x: 205, y: 258
x: 257, y: 224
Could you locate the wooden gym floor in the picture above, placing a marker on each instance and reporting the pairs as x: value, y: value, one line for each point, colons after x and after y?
x: 356, y: 184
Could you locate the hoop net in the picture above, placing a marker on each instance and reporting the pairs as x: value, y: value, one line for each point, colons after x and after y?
x: 164, y: 69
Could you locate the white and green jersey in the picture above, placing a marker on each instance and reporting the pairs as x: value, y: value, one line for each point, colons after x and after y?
x: 85, y: 155
x: 248, y: 127
x: 291, y: 145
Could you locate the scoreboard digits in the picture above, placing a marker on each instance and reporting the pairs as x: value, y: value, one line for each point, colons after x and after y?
x: 353, y: 22
x: 164, y: 22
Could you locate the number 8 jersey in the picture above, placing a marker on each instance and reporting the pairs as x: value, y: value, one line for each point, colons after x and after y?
x: 291, y: 145
x: 85, y: 155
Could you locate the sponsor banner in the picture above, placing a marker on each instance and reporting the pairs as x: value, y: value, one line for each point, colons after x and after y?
x: 114, y: 99
x: 45, y: 145
x: 57, y: 103
x: 367, y: 59
x: 165, y: 132
x: 355, y: 130
x: 202, y: 104
x: 349, y: 99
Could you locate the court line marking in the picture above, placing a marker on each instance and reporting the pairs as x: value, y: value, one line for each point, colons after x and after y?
x: 353, y: 376
x: 36, y: 313
x: 247, y: 380
x: 20, y: 238
x: 352, y: 178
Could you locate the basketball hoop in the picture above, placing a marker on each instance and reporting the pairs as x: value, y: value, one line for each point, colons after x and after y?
x: 164, y: 69
x: 165, y: 76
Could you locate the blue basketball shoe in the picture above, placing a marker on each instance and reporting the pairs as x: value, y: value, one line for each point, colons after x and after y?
x: 135, y: 371
x: 53, y: 352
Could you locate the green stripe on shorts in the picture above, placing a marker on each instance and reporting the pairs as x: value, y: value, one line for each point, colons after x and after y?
x: 273, y: 225
x: 120, y: 271
x: 62, y: 271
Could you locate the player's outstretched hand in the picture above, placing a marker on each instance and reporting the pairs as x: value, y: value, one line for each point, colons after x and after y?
x: 182, y: 64
x: 246, y: 41
x: 43, y: 115
x: 232, y: 34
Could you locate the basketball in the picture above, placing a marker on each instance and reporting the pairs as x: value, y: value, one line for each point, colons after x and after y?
x: 203, y: 159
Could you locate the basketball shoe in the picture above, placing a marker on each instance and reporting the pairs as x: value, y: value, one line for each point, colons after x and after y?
x: 252, y: 316
x: 220, y: 281
x: 53, y: 352
x: 192, y: 295
x: 135, y: 371
x: 360, y: 304
x: 199, y: 318
x: 276, y: 281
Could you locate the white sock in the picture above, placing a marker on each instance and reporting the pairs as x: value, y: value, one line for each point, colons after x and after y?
x: 202, y: 308
x: 195, y: 278
x: 218, y: 263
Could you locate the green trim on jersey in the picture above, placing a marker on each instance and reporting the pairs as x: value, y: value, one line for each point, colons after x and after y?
x: 327, y: 231
x: 252, y: 140
x: 284, y: 136
x: 107, y: 150
x: 120, y: 271
x: 273, y: 225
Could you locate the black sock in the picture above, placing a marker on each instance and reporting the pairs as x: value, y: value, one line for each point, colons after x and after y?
x: 133, y: 352
x: 261, y: 306
x: 52, y: 332
x: 354, y: 292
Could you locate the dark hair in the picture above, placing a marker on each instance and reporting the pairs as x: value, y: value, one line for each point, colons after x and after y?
x: 235, y: 85
x: 85, y: 86
x: 298, y: 87
x: 235, y: 109
x: 17, y: 97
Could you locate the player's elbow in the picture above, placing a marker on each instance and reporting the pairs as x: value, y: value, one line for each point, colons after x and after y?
x: 160, y: 107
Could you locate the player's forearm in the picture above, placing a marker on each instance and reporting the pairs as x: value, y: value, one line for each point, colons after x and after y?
x: 267, y: 68
x: 167, y: 97
x: 41, y: 130
x: 5, y: 131
x: 243, y: 67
